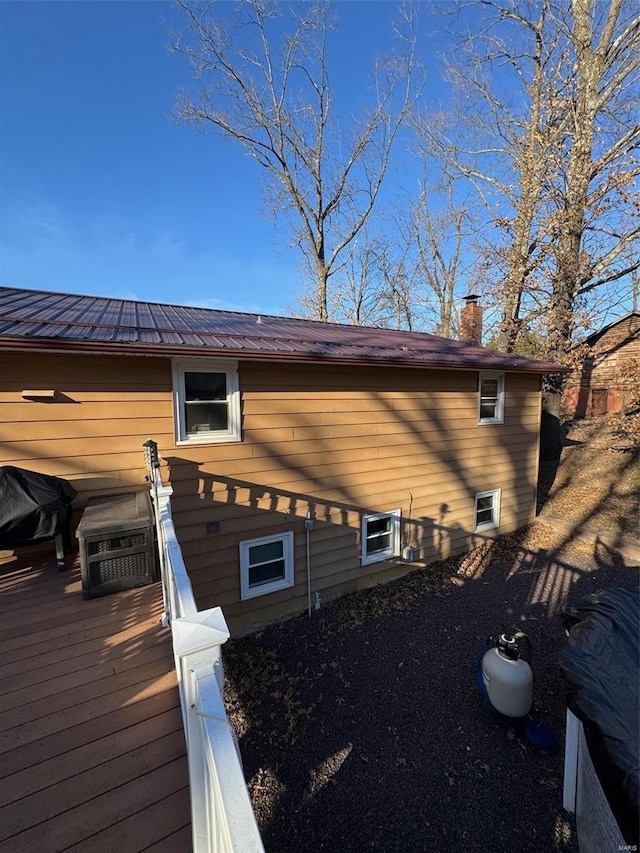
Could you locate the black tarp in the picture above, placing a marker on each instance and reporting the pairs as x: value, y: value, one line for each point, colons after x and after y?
x: 33, y: 507
x: 601, y: 664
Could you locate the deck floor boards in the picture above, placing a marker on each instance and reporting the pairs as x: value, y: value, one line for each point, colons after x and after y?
x: 92, y: 753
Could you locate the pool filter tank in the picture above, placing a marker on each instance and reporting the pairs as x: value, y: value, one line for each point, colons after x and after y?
x: 507, y: 675
x: 505, y: 680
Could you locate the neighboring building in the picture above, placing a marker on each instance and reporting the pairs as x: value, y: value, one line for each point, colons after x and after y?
x: 306, y: 459
x: 608, y: 371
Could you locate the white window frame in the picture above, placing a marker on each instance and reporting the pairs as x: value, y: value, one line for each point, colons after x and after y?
x: 180, y: 366
x: 498, y: 418
x: 248, y: 591
x: 495, y: 521
x: 393, y: 550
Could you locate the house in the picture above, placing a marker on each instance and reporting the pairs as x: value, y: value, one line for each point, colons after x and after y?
x: 306, y: 459
x: 608, y: 369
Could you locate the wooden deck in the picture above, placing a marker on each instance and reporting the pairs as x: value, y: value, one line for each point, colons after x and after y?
x: 92, y: 752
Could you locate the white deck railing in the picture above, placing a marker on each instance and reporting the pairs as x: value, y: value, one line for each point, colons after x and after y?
x: 222, y: 817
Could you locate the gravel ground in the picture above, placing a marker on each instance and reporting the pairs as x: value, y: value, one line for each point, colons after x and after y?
x: 362, y: 728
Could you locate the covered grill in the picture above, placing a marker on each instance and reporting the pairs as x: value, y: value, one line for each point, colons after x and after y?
x: 34, y: 508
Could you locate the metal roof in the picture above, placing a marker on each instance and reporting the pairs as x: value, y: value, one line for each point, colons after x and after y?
x: 68, y: 322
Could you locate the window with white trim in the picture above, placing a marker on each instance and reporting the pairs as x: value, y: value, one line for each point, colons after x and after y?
x: 266, y: 564
x: 490, y: 398
x: 487, y: 510
x: 206, y: 401
x: 380, y: 536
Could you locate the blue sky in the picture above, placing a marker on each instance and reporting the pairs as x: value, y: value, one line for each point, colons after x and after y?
x: 102, y: 193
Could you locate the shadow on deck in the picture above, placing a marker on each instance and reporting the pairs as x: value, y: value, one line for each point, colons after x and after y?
x: 92, y: 751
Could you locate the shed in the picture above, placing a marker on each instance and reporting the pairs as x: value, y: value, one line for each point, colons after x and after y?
x: 607, y: 377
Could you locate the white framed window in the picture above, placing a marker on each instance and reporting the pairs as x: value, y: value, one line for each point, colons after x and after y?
x: 206, y: 397
x: 266, y: 564
x: 490, y: 397
x: 380, y: 536
x: 487, y: 510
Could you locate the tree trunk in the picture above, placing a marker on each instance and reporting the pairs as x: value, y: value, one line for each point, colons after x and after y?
x: 566, y: 277
x: 532, y: 169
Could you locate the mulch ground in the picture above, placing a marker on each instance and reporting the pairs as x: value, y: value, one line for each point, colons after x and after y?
x: 361, y: 728
x: 597, y: 481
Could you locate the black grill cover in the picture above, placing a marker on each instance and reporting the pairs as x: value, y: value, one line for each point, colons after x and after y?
x: 601, y: 664
x: 33, y: 506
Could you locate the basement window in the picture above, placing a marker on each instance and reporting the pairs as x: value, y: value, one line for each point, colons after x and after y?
x: 266, y: 564
x: 487, y: 510
x: 380, y: 536
x: 206, y: 401
x: 490, y: 398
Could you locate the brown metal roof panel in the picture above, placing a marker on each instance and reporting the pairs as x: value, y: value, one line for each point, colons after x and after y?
x: 145, y: 336
x: 112, y: 313
x: 89, y: 333
x: 90, y: 315
x: 21, y: 328
x: 7, y: 327
x: 172, y: 338
x: 135, y: 324
x: 43, y: 308
x: 71, y: 310
x: 182, y: 319
x: 35, y: 306
x: 124, y: 334
x: 186, y: 317
x: 52, y: 305
x: 146, y: 318
x: 191, y: 339
x: 263, y: 344
x: 168, y: 319
x: 126, y: 314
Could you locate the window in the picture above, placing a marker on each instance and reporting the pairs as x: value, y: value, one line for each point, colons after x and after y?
x: 491, y: 398
x: 380, y: 536
x: 266, y: 564
x: 487, y: 510
x: 207, y: 401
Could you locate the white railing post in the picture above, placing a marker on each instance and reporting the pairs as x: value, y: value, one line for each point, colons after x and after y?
x: 152, y: 464
x: 197, y: 640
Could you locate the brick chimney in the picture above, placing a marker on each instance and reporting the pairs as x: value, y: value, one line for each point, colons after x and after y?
x: 471, y: 321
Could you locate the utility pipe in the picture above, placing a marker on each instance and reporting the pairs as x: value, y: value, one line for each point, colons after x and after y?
x: 308, y: 526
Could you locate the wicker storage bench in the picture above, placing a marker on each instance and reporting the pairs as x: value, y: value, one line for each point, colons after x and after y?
x: 116, y: 540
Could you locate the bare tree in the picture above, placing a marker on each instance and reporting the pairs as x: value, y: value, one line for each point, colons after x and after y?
x: 399, y: 293
x: 439, y: 231
x: 371, y: 287
x: 269, y: 90
x: 597, y: 220
x: 363, y: 286
x: 545, y: 135
x: 498, y: 144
